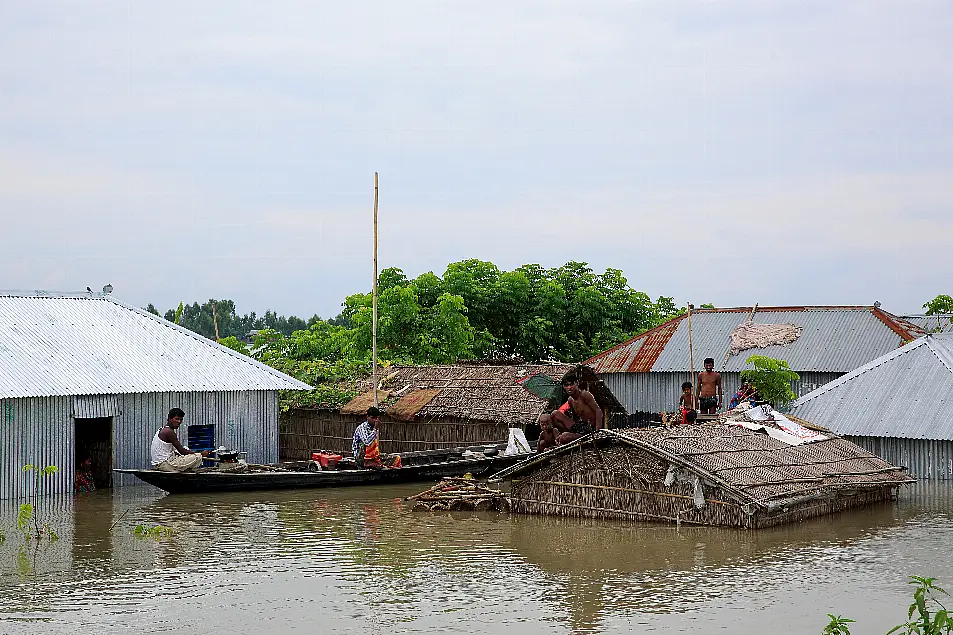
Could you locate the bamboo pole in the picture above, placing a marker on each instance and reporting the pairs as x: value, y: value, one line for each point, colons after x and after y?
x: 215, y: 321
x: 691, y: 354
x: 374, y: 301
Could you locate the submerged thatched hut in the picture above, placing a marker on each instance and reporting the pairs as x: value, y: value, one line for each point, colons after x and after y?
x: 740, y: 471
x: 440, y: 407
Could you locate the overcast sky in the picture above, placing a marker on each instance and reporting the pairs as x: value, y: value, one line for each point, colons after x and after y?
x: 727, y: 152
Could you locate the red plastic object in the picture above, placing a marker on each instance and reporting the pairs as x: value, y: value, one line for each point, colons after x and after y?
x: 327, y: 461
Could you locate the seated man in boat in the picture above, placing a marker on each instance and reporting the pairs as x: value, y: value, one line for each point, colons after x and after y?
x: 168, y: 455
x: 547, y: 434
x: 579, y: 416
x: 365, y: 444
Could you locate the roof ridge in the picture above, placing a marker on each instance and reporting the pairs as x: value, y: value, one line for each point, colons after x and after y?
x: 931, y: 342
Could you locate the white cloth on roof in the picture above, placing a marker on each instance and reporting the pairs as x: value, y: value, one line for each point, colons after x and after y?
x: 787, y: 431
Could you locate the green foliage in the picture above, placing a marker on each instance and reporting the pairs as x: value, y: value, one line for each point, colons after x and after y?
x: 772, y: 379
x: 25, y: 517
x: 27, y: 520
x: 925, y: 600
x: 837, y: 625
x: 235, y: 344
x: 939, y: 304
x: 157, y: 531
x: 475, y: 311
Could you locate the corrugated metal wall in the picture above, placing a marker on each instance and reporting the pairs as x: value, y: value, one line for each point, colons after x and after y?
x: 41, y: 430
x: 657, y: 392
x: 34, y: 433
x: 925, y: 458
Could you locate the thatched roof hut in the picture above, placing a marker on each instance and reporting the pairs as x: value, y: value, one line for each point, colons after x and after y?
x: 439, y: 407
x: 711, y: 474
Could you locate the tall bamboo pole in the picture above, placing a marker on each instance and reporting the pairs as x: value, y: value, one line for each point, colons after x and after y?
x: 691, y: 354
x: 374, y: 301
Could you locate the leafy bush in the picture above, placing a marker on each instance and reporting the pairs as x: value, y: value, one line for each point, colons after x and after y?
x: 924, y: 601
x: 772, y: 379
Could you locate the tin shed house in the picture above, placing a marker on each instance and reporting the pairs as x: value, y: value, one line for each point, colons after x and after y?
x: 85, y: 374
x: 896, y: 406
x: 820, y: 343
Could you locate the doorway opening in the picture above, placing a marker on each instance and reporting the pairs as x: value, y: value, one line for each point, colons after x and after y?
x: 94, y: 440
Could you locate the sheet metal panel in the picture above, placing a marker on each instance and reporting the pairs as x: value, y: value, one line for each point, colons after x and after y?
x: 93, y: 344
x: 925, y: 458
x: 35, y: 432
x: 41, y: 431
x: 94, y: 406
x: 657, y: 392
x: 942, y: 323
x: 905, y: 394
x: 246, y: 421
x: 834, y: 340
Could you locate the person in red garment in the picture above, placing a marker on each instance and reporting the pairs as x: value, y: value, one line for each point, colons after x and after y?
x: 365, y: 444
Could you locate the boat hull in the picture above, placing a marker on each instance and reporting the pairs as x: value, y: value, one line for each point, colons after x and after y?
x: 211, y: 481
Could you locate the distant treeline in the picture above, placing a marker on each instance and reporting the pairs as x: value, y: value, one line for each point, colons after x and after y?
x: 201, y: 319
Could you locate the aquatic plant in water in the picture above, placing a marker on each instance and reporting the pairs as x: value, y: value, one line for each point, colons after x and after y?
x: 158, y: 531
x: 28, y: 521
x: 925, y: 601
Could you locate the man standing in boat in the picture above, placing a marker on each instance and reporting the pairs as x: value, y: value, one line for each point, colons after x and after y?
x: 579, y: 416
x: 168, y: 455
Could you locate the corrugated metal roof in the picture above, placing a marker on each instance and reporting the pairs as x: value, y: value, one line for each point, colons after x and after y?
x: 940, y: 323
x: 637, y: 355
x: 79, y: 344
x: 907, y: 393
x: 833, y: 339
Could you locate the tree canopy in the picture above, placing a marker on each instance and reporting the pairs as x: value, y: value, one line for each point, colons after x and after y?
x: 474, y: 311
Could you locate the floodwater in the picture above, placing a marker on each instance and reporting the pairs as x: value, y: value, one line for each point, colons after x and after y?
x: 358, y: 560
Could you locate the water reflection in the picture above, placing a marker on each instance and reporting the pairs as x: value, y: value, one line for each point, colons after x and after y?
x: 358, y: 559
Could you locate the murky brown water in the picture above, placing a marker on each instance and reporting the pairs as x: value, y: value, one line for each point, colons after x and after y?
x: 357, y: 561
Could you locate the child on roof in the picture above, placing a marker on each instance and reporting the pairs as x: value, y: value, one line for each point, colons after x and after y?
x: 686, y: 402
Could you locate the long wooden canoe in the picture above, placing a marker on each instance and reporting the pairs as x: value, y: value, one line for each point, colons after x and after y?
x: 418, y: 466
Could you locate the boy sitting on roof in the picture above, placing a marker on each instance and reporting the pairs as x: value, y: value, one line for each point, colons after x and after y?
x: 579, y: 416
x: 547, y: 434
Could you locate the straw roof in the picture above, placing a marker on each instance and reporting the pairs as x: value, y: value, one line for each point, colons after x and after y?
x: 753, y: 469
x: 512, y: 394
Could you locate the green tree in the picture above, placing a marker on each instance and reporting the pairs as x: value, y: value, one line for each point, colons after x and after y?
x: 939, y: 304
x: 772, y: 379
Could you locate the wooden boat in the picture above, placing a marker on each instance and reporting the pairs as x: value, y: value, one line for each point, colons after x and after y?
x: 427, y: 465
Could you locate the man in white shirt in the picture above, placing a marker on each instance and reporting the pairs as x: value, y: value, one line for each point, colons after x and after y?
x: 168, y: 455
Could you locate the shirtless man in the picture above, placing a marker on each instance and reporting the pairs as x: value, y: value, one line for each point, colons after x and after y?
x: 709, y: 389
x: 585, y: 417
x: 547, y: 434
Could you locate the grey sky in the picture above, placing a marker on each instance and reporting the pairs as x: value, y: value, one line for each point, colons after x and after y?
x: 729, y: 152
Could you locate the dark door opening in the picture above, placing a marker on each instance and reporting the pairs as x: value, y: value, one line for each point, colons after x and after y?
x: 94, y: 440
